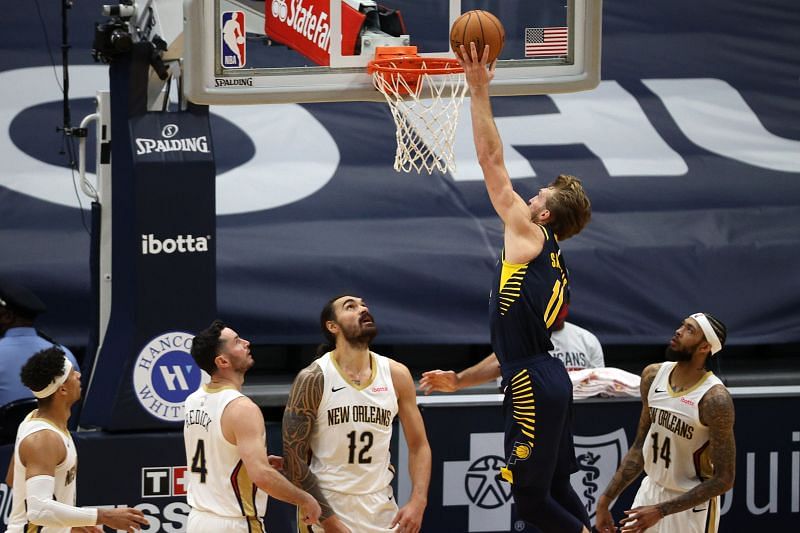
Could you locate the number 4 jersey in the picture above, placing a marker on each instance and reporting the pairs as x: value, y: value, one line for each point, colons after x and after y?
x: 353, y: 430
x: 676, y: 454
x: 218, y: 480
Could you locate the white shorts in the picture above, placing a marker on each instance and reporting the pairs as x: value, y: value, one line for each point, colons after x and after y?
x: 362, y: 513
x: 703, y: 518
x: 203, y: 522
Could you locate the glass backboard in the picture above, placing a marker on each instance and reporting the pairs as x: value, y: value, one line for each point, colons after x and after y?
x: 249, y: 52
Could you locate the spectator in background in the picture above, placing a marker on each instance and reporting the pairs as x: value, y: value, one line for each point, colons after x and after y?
x: 576, y: 347
x: 19, y: 340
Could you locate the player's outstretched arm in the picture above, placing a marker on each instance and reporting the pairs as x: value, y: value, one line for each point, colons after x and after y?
x: 41, y: 452
x: 633, y: 462
x: 449, y: 381
x: 511, y: 208
x: 298, y: 424
x: 245, y: 420
x: 419, y: 451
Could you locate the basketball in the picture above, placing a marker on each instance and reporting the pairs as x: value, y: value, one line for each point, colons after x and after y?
x: 481, y: 28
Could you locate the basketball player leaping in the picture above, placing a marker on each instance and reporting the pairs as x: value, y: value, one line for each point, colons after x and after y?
x: 340, y: 414
x: 229, y: 471
x: 684, y: 441
x: 527, y: 294
x: 44, y: 465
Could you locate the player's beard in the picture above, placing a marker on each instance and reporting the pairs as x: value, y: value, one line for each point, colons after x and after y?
x: 360, y: 335
x: 683, y: 354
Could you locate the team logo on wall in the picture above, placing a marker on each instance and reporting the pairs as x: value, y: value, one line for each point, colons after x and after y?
x: 598, y: 458
x: 165, y: 374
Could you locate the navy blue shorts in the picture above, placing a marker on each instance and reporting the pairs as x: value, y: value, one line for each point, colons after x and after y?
x: 538, y: 421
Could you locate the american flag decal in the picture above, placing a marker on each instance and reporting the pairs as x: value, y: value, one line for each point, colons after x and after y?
x: 546, y: 42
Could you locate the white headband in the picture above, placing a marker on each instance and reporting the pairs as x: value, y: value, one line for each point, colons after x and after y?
x: 56, y: 383
x: 708, y: 331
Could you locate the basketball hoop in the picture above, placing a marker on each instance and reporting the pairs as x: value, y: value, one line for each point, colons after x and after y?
x: 424, y: 95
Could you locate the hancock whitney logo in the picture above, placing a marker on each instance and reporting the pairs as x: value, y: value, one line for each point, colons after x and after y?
x: 165, y: 374
x: 474, y: 482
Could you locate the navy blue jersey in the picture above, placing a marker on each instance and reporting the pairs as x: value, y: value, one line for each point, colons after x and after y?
x: 525, y: 301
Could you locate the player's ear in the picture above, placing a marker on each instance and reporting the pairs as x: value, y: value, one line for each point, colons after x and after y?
x: 704, y: 348
x: 221, y: 361
x: 544, y: 216
x: 332, y: 326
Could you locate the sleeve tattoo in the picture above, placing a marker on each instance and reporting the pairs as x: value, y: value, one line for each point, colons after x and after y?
x: 298, y: 425
x: 716, y: 412
x: 633, y: 462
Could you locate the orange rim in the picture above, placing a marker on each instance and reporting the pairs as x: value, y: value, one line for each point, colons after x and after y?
x: 415, y: 65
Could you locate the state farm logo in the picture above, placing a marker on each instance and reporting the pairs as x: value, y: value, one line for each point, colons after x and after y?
x: 169, y: 131
x: 380, y: 389
x: 304, y: 20
x: 181, y: 244
x: 279, y: 9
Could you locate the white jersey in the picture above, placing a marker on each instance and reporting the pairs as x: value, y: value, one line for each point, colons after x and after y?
x: 577, y: 348
x: 676, y: 447
x: 218, y: 480
x: 64, y: 475
x: 353, y: 429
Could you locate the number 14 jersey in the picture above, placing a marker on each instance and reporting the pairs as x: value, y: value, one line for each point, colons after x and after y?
x: 676, y: 454
x: 353, y: 430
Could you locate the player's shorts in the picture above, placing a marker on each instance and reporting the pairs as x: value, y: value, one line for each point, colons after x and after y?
x: 702, y: 518
x: 538, y: 417
x: 203, y: 522
x: 362, y: 513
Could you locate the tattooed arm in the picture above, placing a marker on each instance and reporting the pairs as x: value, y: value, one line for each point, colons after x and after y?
x: 633, y: 462
x: 716, y: 412
x: 298, y: 424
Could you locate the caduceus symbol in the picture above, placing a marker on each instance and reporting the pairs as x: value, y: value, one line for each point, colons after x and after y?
x: 586, y: 461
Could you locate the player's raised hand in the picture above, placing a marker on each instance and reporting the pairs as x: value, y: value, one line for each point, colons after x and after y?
x: 477, y: 69
x: 122, y: 518
x: 438, y: 381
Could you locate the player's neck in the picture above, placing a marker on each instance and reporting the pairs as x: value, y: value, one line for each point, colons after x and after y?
x: 355, y: 361
x: 686, y: 374
x: 225, y: 380
x: 55, y: 413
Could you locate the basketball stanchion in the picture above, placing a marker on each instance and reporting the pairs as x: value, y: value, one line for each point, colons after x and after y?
x: 424, y: 95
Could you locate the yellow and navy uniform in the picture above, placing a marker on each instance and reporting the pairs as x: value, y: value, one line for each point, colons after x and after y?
x: 525, y: 301
x: 221, y: 494
x: 676, y: 453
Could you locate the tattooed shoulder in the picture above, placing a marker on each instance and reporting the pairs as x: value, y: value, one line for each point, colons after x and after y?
x: 648, y: 376
x: 716, y: 407
x: 307, y: 387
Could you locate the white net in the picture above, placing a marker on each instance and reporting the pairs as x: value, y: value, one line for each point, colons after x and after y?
x: 425, y: 109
